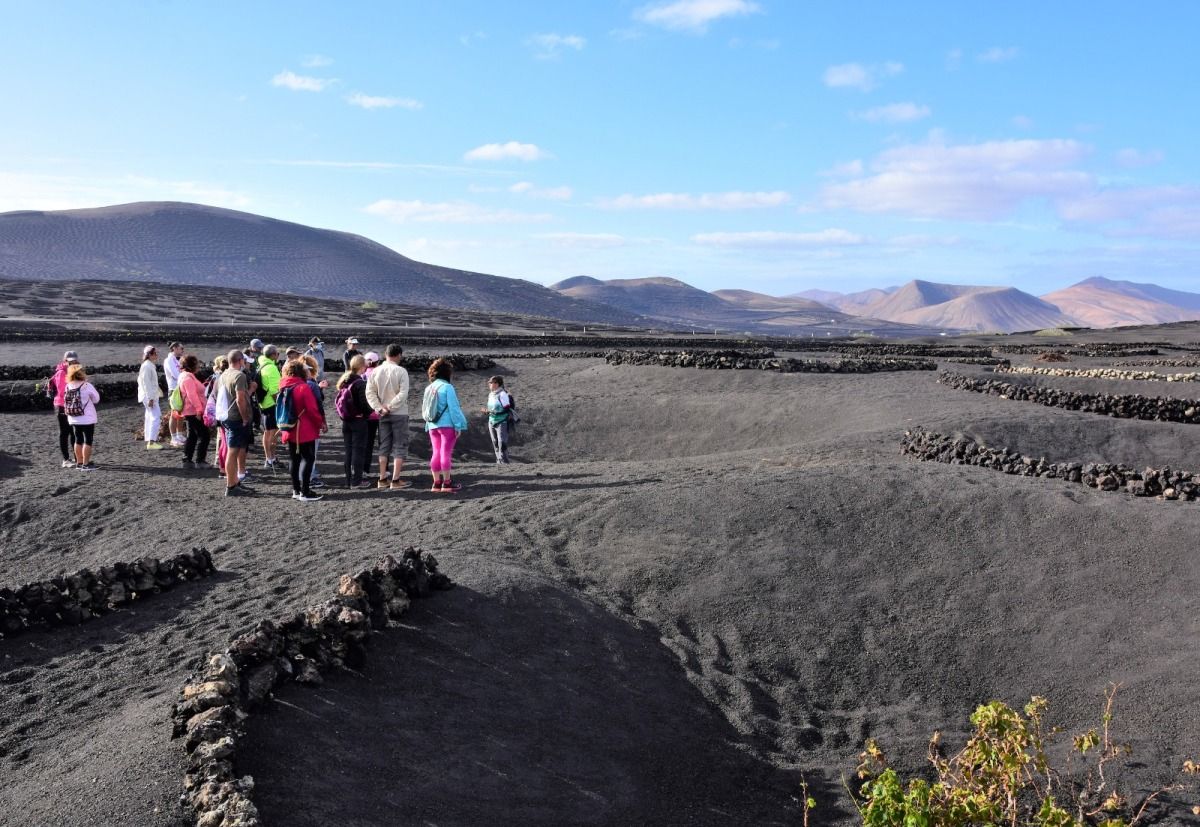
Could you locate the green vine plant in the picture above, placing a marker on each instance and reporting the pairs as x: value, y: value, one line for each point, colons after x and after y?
x: 1004, y: 777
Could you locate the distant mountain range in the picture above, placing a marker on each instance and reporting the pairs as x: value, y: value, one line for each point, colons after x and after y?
x: 179, y: 243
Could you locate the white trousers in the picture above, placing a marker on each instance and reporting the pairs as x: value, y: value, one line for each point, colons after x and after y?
x: 151, y: 421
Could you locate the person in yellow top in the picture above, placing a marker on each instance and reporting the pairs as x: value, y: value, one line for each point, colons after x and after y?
x: 268, y: 386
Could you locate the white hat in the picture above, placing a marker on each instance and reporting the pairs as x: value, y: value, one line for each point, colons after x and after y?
x: 352, y: 341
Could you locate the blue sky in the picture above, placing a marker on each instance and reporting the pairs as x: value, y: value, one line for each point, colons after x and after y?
x: 767, y: 145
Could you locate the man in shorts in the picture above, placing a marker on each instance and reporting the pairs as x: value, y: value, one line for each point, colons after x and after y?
x: 235, y: 388
x: 387, y: 394
x: 172, y: 369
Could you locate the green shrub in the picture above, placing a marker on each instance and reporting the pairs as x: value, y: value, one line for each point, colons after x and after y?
x: 1003, y: 776
x: 369, y: 305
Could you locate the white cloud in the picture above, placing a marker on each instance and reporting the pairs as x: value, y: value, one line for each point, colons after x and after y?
x: 390, y: 165
x: 846, y: 169
x: 563, y: 193
x: 1135, y: 158
x: 998, y: 54
x: 512, y: 150
x: 34, y: 191
x: 859, y: 76
x: 832, y: 237
x: 379, y: 102
x: 895, y: 113
x: 693, y: 15
x: 550, y: 46
x: 316, y: 61
x: 448, y: 212
x: 589, y: 241
x: 704, y: 201
x: 301, y: 83
x: 983, y: 181
x: 1158, y: 211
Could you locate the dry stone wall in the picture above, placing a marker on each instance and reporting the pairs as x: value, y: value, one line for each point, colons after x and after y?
x: 1164, y: 483
x: 738, y: 360
x: 42, y: 373
x: 1159, y: 409
x: 215, y: 701
x: 71, y: 599
x: 914, y: 349
x: 1099, y: 350
x: 421, y: 361
x: 1103, y: 373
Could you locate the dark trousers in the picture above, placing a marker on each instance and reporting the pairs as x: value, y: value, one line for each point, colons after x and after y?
x: 372, y: 435
x: 304, y: 458
x: 66, y: 437
x: 196, y: 446
x: 354, y: 438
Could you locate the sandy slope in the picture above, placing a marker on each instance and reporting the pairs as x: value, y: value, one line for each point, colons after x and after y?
x: 807, y: 582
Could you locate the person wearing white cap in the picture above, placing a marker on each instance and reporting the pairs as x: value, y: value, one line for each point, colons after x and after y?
x: 149, y: 394
x: 351, y: 350
x: 55, y: 389
x: 172, y: 369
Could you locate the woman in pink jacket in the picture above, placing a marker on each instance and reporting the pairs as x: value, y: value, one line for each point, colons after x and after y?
x: 307, y: 424
x: 195, y: 449
x: 54, y: 389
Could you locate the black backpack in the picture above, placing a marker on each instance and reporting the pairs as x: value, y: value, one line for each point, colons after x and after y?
x: 260, y: 392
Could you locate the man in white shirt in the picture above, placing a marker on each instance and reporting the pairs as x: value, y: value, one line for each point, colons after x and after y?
x: 149, y: 393
x: 387, y: 394
x: 172, y: 370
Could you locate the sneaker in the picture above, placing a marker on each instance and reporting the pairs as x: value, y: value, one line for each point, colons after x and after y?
x: 66, y: 463
x: 400, y: 485
x: 309, y: 498
x: 450, y: 487
x: 269, y: 464
x: 154, y: 446
x: 383, y: 483
x: 91, y: 466
x: 297, y: 495
x: 187, y: 463
x: 437, y: 486
x: 318, y: 484
x: 244, y: 477
x: 364, y: 485
x: 237, y: 491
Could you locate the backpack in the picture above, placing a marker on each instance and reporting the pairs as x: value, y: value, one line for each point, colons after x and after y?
x: 285, y: 409
x: 260, y: 392
x: 431, y: 407
x: 513, y: 419
x: 344, y: 402
x: 177, y: 397
x: 73, y: 402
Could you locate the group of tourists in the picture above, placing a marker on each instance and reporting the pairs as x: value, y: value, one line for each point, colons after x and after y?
x: 283, y: 398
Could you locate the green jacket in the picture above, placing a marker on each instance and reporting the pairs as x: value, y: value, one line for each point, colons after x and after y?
x: 268, y: 375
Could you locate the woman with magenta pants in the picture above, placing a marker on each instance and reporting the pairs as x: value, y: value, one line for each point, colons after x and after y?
x: 444, y: 421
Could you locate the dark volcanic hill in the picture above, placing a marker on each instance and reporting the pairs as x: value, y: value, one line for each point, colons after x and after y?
x: 183, y: 243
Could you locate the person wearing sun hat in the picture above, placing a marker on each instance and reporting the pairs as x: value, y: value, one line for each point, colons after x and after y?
x: 351, y: 350
x: 149, y: 394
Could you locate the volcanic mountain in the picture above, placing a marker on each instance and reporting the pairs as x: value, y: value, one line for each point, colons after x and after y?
x: 674, y: 301
x: 964, y: 307
x: 180, y: 243
x: 1101, y: 302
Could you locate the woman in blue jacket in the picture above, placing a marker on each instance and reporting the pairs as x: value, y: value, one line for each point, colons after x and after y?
x: 444, y: 421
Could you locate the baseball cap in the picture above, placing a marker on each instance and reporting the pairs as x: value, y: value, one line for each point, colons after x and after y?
x: 256, y: 344
x: 70, y: 356
x: 352, y: 341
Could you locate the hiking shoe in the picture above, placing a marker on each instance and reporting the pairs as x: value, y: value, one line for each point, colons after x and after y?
x: 383, y: 483
x: 309, y: 498
x: 237, y: 491
x: 66, y: 463
x: 154, y: 446
x: 400, y: 485
x: 91, y: 466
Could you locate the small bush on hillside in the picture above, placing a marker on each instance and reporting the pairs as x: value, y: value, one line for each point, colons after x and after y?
x: 1003, y: 776
x: 369, y: 306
